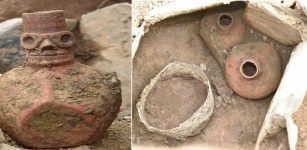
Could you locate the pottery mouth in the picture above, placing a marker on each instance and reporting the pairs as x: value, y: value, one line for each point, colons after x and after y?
x: 48, y: 57
x: 49, y: 51
x: 225, y: 20
x: 249, y: 69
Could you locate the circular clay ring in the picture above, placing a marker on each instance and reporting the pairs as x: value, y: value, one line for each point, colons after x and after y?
x: 199, y: 118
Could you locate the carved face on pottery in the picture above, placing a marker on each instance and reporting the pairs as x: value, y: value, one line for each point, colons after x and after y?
x: 45, y: 39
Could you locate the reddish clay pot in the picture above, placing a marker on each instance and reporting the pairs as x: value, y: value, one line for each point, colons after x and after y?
x: 221, y: 29
x: 253, y: 70
x: 52, y: 101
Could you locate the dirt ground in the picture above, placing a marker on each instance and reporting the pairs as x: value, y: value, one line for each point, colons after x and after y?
x: 236, y: 122
x: 118, y: 136
x: 300, y: 121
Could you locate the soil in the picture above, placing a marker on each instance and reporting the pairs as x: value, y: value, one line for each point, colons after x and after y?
x: 117, y: 138
x: 301, y: 122
x: 236, y: 121
x: 278, y: 141
x: 167, y: 106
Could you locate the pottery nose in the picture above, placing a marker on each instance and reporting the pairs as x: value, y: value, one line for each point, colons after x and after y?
x: 47, y: 45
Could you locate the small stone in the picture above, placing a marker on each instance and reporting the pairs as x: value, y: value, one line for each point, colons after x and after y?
x: 71, y: 24
x: 221, y: 101
x: 2, y: 138
x: 124, y: 115
x: 265, y: 38
x: 217, y: 104
x: 127, y: 117
x: 114, y: 80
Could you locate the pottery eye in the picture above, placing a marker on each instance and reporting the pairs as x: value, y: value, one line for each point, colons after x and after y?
x: 66, y: 38
x: 28, y: 40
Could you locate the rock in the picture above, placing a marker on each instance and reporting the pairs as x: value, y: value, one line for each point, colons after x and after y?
x: 11, y: 54
x: 261, y: 18
x: 2, y: 138
x: 9, y: 24
x: 71, y: 24
x: 110, y: 29
x: 124, y: 115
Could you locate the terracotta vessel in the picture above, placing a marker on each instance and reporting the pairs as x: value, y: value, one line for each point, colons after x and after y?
x: 253, y: 70
x: 221, y: 29
x: 52, y: 101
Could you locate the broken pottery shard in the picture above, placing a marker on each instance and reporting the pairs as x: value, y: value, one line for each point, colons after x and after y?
x: 178, y: 102
x: 260, y: 18
x: 112, y: 36
x: 53, y: 101
x: 253, y: 70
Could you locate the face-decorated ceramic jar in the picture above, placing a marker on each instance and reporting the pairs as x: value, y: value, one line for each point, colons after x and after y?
x: 52, y: 101
x: 45, y: 39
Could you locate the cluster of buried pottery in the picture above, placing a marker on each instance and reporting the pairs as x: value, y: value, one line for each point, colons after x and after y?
x: 52, y: 101
x: 252, y: 68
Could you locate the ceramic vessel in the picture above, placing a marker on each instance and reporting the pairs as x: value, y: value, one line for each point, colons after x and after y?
x: 53, y: 101
x: 253, y: 70
x: 221, y: 29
